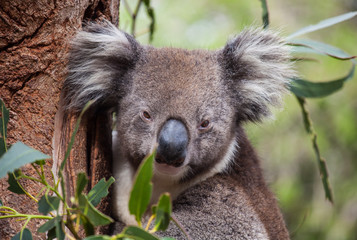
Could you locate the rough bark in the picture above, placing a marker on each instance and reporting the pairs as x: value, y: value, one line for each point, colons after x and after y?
x: 34, y: 41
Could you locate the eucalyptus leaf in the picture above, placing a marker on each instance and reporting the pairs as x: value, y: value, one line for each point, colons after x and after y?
x: 17, y: 156
x: 47, y: 226
x: 150, y: 12
x: 87, y: 225
x: 99, y: 191
x: 142, y: 189
x: 3, y: 148
x: 24, y: 234
x: 265, y: 14
x: 59, y: 228
x: 82, y: 181
x: 324, y: 24
x: 48, y: 204
x: 322, y: 48
x: 163, y: 212
x: 96, y: 217
x: 14, y: 185
x: 138, y: 233
x: 308, y: 89
x: 3, y: 120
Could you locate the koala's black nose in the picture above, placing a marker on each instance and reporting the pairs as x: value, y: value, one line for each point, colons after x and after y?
x: 173, y: 140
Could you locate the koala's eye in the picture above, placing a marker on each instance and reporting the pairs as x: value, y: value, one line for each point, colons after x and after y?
x: 204, y: 125
x: 146, y: 116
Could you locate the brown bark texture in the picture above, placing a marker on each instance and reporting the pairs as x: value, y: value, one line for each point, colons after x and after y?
x: 34, y: 41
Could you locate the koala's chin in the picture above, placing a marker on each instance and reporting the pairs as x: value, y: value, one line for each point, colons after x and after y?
x: 167, y: 170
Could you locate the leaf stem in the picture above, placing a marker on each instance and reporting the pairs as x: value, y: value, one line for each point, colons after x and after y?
x: 180, y: 227
x: 320, y: 160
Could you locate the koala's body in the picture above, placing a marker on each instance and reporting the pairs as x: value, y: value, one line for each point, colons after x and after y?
x: 190, y: 105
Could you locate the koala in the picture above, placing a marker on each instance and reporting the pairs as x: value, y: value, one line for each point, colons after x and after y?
x: 189, y: 105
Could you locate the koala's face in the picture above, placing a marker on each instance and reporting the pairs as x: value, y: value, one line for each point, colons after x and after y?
x: 187, y: 103
x: 177, y: 103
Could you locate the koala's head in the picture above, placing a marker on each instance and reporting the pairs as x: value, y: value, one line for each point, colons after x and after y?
x: 187, y: 103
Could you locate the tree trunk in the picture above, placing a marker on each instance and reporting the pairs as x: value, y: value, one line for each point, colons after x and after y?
x: 34, y: 41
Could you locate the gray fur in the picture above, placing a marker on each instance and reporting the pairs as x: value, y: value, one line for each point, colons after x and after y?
x: 234, y: 84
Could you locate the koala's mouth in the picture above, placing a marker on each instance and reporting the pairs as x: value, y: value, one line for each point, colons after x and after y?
x: 168, y: 169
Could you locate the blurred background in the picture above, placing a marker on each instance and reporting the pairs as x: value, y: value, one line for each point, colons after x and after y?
x: 285, y: 148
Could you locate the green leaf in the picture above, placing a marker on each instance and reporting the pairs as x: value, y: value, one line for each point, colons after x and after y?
x: 87, y: 225
x: 265, y: 14
x: 324, y: 24
x: 59, y: 228
x: 323, y: 48
x: 3, y: 120
x: 47, y: 226
x: 150, y: 12
x: 25, y: 234
x: 1, y: 204
x: 17, y: 156
x: 14, y: 185
x: 142, y: 189
x: 82, y: 181
x: 163, y: 212
x: 3, y: 148
x: 307, y: 89
x: 138, y: 233
x: 97, y: 218
x: 99, y: 191
x: 48, y: 204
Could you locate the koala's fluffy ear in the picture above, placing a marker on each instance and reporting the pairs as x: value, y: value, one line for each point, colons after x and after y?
x: 256, y: 65
x: 100, y: 58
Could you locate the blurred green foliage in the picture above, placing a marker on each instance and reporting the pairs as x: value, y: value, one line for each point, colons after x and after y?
x: 287, y: 156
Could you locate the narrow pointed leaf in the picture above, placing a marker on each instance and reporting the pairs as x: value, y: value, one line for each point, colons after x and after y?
x: 14, y: 185
x: 82, y: 181
x: 151, y: 14
x: 322, y: 48
x: 3, y: 148
x: 48, y: 204
x: 59, y: 228
x: 138, y: 233
x: 265, y: 14
x: 99, y: 191
x: 17, y: 156
x: 23, y: 235
x: 87, y: 225
x: 47, y: 226
x: 4, y: 119
x: 324, y: 24
x: 97, y: 218
x: 163, y: 212
x: 307, y: 89
x: 141, y: 193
